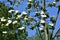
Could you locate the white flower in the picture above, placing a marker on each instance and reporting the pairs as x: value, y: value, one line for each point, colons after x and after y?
x: 42, y: 12
x: 21, y: 28
x: 42, y: 21
x: 41, y: 28
x: 2, y: 19
x: 7, y: 24
x: 54, y: 2
x: 30, y: 0
x: 25, y: 18
x: 43, y: 16
x: 19, y: 16
x: 24, y: 13
x: 17, y: 11
x: 14, y: 22
x: 51, y: 24
x: 10, y: 11
x: 4, y: 32
x: 9, y: 21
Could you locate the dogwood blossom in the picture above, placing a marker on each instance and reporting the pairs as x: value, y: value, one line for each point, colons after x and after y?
x: 21, y: 28
x: 41, y: 28
x: 42, y: 21
x: 42, y: 12
x: 17, y: 11
x: 43, y: 16
x: 4, y: 32
x: 14, y: 22
x: 25, y: 18
x: 2, y: 19
x: 24, y: 13
x: 9, y: 21
x: 7, y: 24
x: 10, y: 11
x: 51, y: 24
x: 54, y: 2
x: 30, y: 0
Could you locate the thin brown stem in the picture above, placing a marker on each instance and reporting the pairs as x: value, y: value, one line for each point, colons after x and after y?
x: 45, y: 28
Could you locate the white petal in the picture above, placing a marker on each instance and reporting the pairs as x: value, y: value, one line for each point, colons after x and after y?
x: 43, y: 16
x: 21, y: 28
x: 25, y: 18
x: 24, y: 13
x: 9, y: 21
x: 7, y: 24
x: 41, y: 28
x: 4, y: 32
x: 14, y: 22
x: 2, y: 19
x: 19, y: 16
x: 30, y: 0
x: 42, y: 21
x: 17, y: 11
x: 51, y: 24
x: 42, y: 12
x: 10, y: 11
x: 54, y: 2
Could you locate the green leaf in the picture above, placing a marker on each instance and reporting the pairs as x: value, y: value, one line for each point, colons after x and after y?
x: 29, y: 5
x: 52, y: 19
x: 59, y: 7
x: 32, y: 27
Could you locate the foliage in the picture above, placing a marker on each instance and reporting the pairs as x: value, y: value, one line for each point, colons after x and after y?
x: 13, y: 23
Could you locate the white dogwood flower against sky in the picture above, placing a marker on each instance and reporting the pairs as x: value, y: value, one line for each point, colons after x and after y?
x: 42, y: 12
x: 17, y: 11
x: 10, y: 11
x: 23, y: 13
x: 40, y: 28
x: 18, y: 16
x: 42, y: 21
x: 43, y: 16
x: 4, y: 32
x: 51, y: 24
x: 30, y: 0
x: 21, y: 28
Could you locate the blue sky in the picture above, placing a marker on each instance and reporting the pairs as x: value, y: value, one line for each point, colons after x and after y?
x: 52, y: 12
